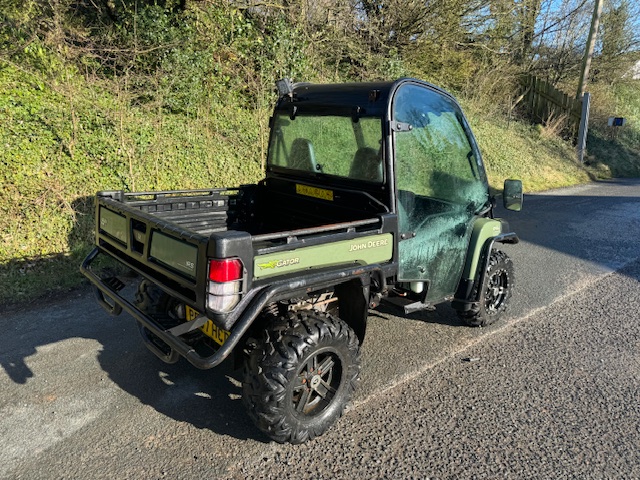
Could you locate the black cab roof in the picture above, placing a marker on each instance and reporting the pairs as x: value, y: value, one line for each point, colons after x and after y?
x: 362, y: 99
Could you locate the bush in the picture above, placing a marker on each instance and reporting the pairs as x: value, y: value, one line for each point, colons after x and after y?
x: 615, y: 148
x: 169, y: 94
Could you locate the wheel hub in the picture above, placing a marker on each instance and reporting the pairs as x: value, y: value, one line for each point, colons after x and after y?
x: 318, y: 381
x: 315, y: 381
x: 496, y: 291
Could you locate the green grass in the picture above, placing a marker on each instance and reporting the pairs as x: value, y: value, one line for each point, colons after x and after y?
x: 64, y: 139
x: 615, y: 149
x: 516, y: 149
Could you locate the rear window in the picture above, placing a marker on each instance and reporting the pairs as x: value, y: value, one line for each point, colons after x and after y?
x: 330, y: 145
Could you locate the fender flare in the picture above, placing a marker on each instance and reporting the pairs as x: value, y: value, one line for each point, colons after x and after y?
x: 486, y: 233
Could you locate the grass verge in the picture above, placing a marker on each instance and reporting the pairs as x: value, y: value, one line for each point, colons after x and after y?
x: 64, y: 141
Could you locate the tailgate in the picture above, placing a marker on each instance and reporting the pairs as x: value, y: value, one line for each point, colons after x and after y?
x: 155, y: 246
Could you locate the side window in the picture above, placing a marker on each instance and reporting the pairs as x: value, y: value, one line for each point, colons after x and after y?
x: 436, y: 158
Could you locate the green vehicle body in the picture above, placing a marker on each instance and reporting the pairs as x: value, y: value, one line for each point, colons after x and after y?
x: 372, y: 192
x: 370, y: 250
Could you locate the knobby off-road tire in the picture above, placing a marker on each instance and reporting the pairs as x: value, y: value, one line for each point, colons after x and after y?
x: 496, y: 291
x: 301, y: 375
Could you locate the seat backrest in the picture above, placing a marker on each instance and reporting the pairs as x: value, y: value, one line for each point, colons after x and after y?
x: 302, y: 156
x: 367, y: 165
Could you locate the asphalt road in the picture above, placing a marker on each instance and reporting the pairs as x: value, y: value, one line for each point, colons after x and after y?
x: 552, y: 391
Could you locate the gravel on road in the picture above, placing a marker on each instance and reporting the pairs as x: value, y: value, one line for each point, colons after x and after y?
x: 554, y: 395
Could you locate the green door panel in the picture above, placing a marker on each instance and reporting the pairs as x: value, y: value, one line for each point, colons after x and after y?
x: 441, y: 185
x: 436, y: 253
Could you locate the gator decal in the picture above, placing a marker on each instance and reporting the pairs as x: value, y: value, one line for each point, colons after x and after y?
x: 360, y: 251
x: 279, y: 263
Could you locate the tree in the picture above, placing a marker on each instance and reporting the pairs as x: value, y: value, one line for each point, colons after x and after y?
x: 618, y: 40
x: 527, y: 15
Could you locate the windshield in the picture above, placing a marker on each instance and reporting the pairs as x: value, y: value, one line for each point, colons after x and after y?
x: 331, y: 145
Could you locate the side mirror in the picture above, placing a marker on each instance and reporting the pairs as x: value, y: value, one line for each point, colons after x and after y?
x: 512, y: 195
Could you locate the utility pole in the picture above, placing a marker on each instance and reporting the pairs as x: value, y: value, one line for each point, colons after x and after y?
x: 585, y: 98
x: 588, y: 54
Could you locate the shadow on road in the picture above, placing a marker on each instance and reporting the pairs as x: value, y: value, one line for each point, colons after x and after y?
x: 205, y: 399
x: 600, y: 229
x: 442, y: 314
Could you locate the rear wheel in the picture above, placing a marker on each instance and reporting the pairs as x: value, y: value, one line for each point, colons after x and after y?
x: 301, y: 375
x: 160, y: 306
x: 496, y: 291
x: 153, y: 301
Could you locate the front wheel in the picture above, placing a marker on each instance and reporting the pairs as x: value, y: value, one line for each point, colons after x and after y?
x: 300, y: 376
x: 496, y: 291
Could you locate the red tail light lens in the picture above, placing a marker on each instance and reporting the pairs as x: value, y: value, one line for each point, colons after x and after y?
x: 226, y: 270
x: 225, y: 284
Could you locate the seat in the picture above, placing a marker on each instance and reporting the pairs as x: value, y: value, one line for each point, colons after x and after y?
x: 367, y: 165
x: 301, y: 156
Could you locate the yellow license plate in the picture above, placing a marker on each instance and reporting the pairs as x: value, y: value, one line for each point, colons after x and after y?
x: 210, y: 329
x: 314, y: 192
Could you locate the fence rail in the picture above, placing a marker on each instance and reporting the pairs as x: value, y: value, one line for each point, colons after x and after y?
x: 544, y: 102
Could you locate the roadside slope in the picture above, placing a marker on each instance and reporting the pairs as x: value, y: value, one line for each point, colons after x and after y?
x: 63, y: 141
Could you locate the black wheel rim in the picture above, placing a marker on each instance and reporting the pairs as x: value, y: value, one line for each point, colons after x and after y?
x: 317, y: 383
x: 496, y: 293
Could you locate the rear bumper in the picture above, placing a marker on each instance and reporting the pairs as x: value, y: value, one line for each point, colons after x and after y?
x: 109, y: 298
x: 241, y: 317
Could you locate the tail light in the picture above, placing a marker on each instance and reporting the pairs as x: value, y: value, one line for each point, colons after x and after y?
x: 225, y: 284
